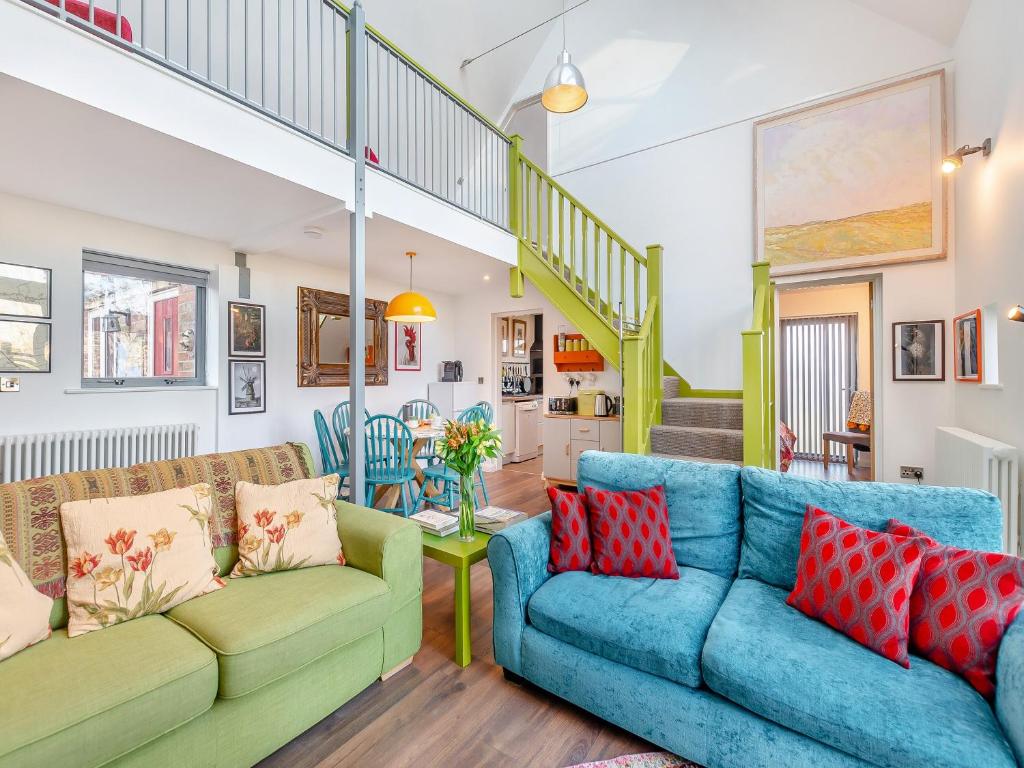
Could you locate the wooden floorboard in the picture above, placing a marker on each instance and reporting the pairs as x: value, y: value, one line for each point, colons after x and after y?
x: 435, y: 714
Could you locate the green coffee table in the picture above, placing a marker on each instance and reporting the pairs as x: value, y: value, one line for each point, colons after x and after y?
x: 460, y: 555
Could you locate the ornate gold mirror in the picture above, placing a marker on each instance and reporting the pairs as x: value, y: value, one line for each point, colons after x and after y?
x: 323, y: 345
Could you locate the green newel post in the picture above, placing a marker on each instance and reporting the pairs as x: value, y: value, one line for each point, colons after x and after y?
x: 655, y: 285
x: 515, y: 218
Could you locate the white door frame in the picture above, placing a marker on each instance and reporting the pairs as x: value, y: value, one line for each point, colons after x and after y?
x: 874, y: 281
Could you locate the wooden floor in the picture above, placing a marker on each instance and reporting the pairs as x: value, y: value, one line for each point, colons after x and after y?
x: 436, y: 714
x: 837, y: 470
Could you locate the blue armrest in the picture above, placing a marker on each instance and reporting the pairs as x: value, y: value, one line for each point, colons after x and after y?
x: 518, y: 557
x: 1010, y: 687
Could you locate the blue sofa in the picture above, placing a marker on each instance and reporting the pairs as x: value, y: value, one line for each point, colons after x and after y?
x: 715, y: 666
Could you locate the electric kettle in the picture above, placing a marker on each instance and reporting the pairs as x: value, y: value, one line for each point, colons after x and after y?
x: 603, y: 405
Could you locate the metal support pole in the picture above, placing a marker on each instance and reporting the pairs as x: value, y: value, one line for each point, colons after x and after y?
x: 357, y: 252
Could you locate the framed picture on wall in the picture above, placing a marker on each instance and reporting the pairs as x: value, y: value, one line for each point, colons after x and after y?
x: 24, y: 347
x: 246, y: 329
x: 247, y: 391
x: 967, y: 346
x: 506, y: 332
x: 408, y: 347
x: 518, y: 338
x: 853, y: 181
x: 24, y: 291
x: 919, y: 351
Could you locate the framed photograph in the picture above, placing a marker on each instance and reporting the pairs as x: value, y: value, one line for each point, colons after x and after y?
x: 518, y: 338
x: 919, y: 351
x: 967, y: 351
x: 854, y: 181
x: 506, y: 332
x: 247, y: 392
x: 24, y: 346
x: 246, y: 330
x: 24, y: 291
x: 408, y: 347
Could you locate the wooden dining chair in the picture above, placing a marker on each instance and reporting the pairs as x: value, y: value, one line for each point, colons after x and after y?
x: 340, y: 419
x: 422, y: 409
x: 328, y: 456
x: 389, y: 459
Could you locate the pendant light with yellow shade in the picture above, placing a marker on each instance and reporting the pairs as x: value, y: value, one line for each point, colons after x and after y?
x: 410, y: 306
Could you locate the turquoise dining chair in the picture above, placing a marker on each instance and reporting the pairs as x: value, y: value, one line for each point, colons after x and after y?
x: 446, y: 479
x: 487, y: 410
x: 475, y: 413
x: 388, y: 459
x: 328, y: 456
x: 422, y: 409
x: 340, y: 419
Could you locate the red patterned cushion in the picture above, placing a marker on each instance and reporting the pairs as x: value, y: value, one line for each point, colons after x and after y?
x: 630, y: 533
x: 570, y: 532
x: 963, y: 604
x: 857, y: 581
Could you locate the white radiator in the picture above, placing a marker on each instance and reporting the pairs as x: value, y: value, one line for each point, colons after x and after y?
x: 23, y: 457
x: 974, y: 461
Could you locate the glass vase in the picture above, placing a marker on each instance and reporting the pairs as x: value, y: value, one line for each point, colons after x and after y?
x: 467, y: 508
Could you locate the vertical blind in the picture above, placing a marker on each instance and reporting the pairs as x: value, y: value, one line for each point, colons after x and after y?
x: 818, y: 375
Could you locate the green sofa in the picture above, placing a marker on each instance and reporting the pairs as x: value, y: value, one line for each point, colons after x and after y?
x: 221, y: 680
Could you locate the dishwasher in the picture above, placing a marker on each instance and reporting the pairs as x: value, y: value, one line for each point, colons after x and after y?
x: 527, y: 431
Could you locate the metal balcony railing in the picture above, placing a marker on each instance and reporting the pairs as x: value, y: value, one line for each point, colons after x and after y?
x: 287, y: 60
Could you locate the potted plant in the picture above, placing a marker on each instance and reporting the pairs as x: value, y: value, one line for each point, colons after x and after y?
x: 464, y: 446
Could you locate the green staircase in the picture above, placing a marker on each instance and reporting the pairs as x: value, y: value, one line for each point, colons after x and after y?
x: 759, y: 418
x: 607, y: 288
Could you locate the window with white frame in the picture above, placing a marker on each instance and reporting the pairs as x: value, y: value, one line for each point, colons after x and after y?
x: 143, y: 323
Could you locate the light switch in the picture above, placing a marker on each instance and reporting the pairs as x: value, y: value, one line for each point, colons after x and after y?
x: 10, y: 384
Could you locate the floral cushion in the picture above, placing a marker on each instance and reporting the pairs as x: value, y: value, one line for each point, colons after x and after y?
x: 136, y: 555
x: 292, y: 525
x: 24, y: 612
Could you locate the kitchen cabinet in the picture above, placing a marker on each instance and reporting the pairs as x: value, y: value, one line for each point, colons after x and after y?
x: 565, y: 438
x: 556, y: 448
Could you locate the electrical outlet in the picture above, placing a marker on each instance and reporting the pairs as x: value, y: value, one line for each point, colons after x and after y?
x: 912, y: 473
x: 479, y: 379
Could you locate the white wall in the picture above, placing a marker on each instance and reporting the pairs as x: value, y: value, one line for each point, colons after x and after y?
x: 989, y: 199
x: 673, y: 95
x: 50, y: 236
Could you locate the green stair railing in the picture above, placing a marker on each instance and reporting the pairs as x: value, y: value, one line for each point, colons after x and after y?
x: 605, y: 286
x: 759, y: 375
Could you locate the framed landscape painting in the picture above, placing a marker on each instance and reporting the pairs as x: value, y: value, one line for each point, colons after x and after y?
x: 919, y: 351
x: 24, y: 291
x: 247, y: 391
x: 854, y: 181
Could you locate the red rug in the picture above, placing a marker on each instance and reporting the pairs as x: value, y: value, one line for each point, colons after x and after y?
x: 645, y: 760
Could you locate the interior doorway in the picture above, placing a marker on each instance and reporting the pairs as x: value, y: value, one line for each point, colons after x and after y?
x: 825, y: 373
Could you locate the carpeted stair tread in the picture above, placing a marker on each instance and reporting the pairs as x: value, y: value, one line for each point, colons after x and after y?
x: 724, y: 413
x: 701, y: 442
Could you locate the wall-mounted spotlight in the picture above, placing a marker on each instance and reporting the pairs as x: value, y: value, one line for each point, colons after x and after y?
x: 1017, y: 313
x: 951, y: 163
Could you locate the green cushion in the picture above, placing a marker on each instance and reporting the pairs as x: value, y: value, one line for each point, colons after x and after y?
x: 85, y: 701
x: 265, y: 627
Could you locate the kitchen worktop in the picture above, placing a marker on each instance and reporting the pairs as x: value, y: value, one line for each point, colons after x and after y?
x: 577, y: 416
x: 520, y: 398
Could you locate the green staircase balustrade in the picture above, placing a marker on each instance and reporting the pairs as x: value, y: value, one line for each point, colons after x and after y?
x: 759, y: 375
x: 597, y: 280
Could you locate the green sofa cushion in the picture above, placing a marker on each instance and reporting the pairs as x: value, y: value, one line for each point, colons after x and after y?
x: 265, y: 627
x: 87, y: 700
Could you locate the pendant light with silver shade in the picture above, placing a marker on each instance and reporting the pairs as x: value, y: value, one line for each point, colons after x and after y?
x: 564, y: 89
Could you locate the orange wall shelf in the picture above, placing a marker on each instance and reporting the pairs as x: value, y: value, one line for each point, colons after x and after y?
x: 572, y: 362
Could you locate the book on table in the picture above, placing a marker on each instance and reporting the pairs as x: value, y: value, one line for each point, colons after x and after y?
x: 494, y: 519
x: 437, y: 523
